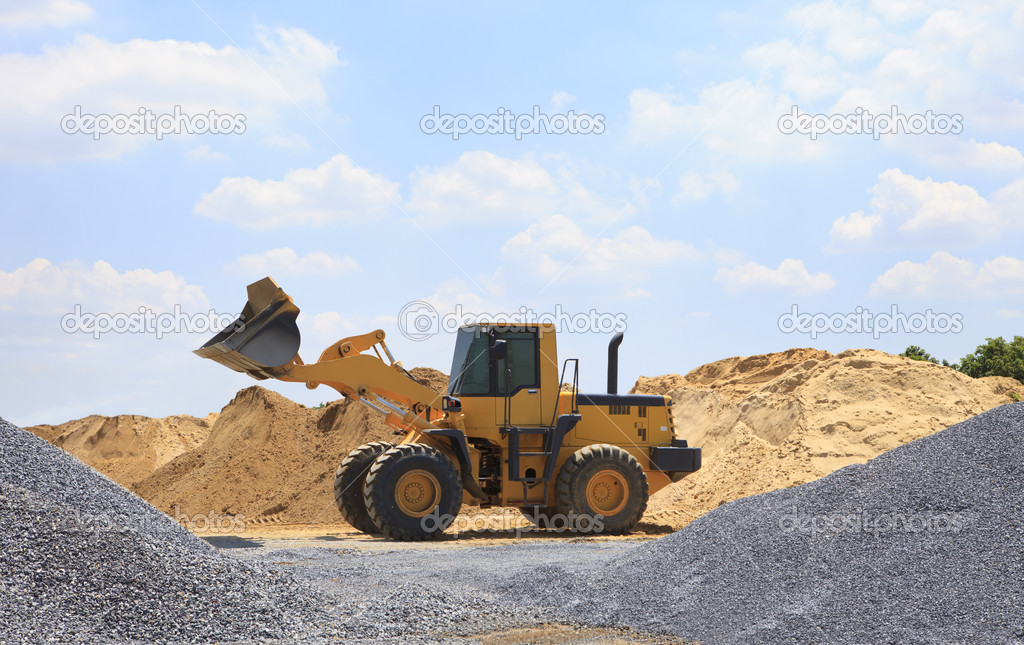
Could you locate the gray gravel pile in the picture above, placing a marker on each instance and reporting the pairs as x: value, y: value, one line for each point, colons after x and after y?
x: 84, y: 560
x: 426, y: 594
x: 924, y: 544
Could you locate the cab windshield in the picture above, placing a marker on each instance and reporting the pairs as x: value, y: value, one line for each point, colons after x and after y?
x: 473, y: 373
x: 471, y: 364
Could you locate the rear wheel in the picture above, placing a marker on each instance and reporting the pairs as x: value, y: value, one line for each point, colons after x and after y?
x: 348, y: 484
x: 412, y: 492
x: 602, y: 489
x: 540, y: 516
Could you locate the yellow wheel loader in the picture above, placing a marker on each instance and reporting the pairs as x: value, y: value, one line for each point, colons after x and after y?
x: 510, y: 431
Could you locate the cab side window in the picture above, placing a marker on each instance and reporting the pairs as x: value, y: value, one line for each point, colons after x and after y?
x: 521, y: 359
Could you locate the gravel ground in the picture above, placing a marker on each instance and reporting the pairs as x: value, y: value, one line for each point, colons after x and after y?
x: 438, y: 588
x: 84, y: 560
x: 924, y: 544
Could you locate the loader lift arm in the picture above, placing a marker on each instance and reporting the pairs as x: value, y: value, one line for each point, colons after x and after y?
x: 264, y: 343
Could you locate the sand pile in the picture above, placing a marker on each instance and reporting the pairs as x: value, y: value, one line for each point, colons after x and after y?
x: 269, y: 459
x: 127, y: 448
x: 779, y: 420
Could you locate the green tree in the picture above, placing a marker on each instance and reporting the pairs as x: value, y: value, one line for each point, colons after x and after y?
x: 996, y: 358
x: 918, y: 354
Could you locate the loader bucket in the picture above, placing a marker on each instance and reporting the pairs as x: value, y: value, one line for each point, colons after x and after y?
x: 263, y: 338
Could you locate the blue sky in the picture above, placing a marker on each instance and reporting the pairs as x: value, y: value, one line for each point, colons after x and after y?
x: 690, y: 214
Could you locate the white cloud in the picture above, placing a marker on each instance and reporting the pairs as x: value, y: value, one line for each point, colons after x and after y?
x: 320, y: 330
x: 954, y: 59
x: 947, y: 152
x: 561, y: 98
x: 695, y: 187
x: 285, y: 261
x: 41, y: 287
x: 734, y: 118
x: 961, y: 59
x: 802, y: 71
x: 482, y: 186
x: 900, y: 10
x: 118, y: 78
x: 929, y: 205
x: 790, y: 275
x: 336, y: 191
x: 927, y: 211
x: 944, y: 274
x: 1010, y: 313
x: 853, y: 229
x: 724, y: 255
x: 455, y: 294
x: 291, y: 142
x: 203, y: 152
x: 43, y: 13
x: 325, y: 328
x: 642, y: 189
x: 559, y: 250
x: 846, y: 31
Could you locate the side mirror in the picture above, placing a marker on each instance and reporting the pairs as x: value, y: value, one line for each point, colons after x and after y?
x: 451, y: 404
x: 499, y: 350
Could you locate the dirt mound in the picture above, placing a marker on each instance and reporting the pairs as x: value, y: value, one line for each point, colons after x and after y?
x: 269, y: 459
x: 127, y: 448
x: 657, y: 384
x: 779, y: 420
x: 736, y: 376
x: 434, y: 379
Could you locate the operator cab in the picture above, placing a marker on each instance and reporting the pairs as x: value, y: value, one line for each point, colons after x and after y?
x: 481, y: 367
x: 510, y: 369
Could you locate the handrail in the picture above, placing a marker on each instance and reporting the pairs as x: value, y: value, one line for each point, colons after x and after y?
x: 574, y: 399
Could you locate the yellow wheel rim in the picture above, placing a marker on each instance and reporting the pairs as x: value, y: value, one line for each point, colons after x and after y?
x: 607, y: 492
x: 417, y: 493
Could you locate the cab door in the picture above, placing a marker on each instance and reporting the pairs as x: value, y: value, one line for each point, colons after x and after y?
x: 518, y: 373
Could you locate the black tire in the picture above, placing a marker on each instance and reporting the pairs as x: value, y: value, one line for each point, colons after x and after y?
x: 540, y: 516
x: 602, y: 489
x: 348, y: 484
x: 412, y: 492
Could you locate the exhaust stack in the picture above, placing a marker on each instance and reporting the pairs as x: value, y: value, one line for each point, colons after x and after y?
x: 613, y: 363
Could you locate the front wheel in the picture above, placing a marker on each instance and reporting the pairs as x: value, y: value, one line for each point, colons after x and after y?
x: 605, y: 489
x: 348, y: 484
x: 412, y: 492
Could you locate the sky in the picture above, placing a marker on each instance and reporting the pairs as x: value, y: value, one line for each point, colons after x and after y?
x: 711, y: 181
